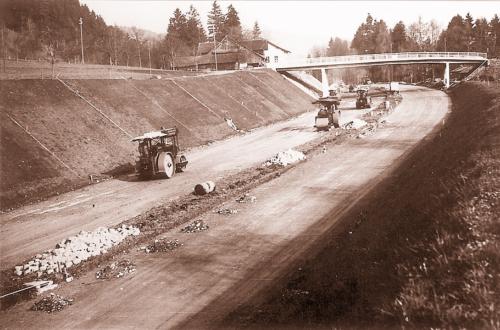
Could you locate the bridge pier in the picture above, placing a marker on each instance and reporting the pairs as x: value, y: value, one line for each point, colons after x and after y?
x: 446, y: 78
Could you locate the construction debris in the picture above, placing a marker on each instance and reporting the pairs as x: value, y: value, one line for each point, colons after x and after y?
x: 246, y: 199
x: 41, y: 286
x: 163, y: 245
x: 284, y: 158
x: 116, y: 270
x: 76, y: 249
x: 52, y: 303
x: 355, y: 124
x: 196, y: 226
x: 226, y: 211
x: 204, y: 188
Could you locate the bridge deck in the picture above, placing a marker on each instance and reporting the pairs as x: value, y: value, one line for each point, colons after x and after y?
x: 382, y: 59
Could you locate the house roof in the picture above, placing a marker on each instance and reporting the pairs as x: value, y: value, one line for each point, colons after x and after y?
x: 254, y: 45
x: 261, y: 44
x: 205, y: 47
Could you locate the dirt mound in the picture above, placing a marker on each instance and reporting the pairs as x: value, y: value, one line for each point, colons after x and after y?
x: 55, y: 133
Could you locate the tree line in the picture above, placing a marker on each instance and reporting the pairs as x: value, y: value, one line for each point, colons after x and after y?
x: 462, y: 34
x: 51, y: 30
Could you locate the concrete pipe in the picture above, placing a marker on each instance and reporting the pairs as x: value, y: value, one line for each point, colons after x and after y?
x: 204, y: 188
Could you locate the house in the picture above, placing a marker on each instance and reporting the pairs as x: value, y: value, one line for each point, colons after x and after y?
x: 272, y: 53
x: 232, y: 55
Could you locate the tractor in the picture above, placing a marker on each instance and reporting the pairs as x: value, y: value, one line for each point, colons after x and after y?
x: 362, y: 100
x: 159, y: 154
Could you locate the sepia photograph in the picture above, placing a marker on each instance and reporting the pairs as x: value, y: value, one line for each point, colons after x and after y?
x: 249, y: 164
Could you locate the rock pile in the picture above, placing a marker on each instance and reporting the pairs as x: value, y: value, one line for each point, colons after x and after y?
x: 52, y: 303
x: 196, y: 226
x: 246, y: 199
x: 116, y: 270
x: 284, y: 158
x: 76, y: 249
x: 355, y: 124
x: 163, y: 245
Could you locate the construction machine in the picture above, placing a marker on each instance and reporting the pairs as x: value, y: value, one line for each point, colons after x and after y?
x: 362, y: 99
x: 159, y: 154
x: 328, y: 114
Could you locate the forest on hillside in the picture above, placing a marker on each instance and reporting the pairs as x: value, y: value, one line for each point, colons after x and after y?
x: 50, y: 30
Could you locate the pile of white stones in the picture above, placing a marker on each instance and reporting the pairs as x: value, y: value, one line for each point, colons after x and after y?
x: 76, y: 249
x: 285, y: 158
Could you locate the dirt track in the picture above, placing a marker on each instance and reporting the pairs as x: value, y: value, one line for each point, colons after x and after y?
x: 35, y: 228
x: 218, y: 269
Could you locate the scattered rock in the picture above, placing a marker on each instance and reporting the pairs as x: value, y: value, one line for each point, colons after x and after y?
x: 196, y: 226
x: 226, y: 211
x: 116, y: 270
x: 52, y: 303
x: 284, y: 158
x: 163, y: 245
x: 247, y: 199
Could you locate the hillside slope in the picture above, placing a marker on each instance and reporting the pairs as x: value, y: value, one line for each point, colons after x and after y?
x: 54, y: 134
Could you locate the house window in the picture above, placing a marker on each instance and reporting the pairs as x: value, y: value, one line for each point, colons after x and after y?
x: 276, y: 59
x: 267, y: 59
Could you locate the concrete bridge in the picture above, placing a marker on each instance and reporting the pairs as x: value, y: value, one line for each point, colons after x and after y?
x: 351, y: 61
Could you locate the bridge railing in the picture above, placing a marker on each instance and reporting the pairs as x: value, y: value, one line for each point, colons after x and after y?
x: 384, y: 57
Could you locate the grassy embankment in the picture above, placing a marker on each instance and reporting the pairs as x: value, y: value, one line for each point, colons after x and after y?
x: 422, y: 251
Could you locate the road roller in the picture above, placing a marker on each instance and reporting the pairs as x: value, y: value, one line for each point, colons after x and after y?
x: 159, y: 154
x: 328, y: 114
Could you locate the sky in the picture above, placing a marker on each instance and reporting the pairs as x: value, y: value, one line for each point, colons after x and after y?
x: 295, y: 25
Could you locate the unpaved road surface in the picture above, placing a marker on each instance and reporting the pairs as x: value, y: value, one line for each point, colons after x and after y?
x: 214, y: 271
x: 38, y: 227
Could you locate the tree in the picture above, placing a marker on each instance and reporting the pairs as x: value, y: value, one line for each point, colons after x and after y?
x: 364, y: 41
x: 137, y: 36
x: 256, y: 33
x: 399, y: 37
x: 231, y: 25
x: 337, y: 47
x: 195, y: 33
x: 382, y: 38
x: 176, y: 38
x: 215, y: 21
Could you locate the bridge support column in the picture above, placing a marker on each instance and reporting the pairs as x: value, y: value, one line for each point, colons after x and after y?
x: 324, y: 82
x: 446, y: 78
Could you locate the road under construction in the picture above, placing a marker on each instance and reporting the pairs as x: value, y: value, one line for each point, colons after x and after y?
x: 253, y: 228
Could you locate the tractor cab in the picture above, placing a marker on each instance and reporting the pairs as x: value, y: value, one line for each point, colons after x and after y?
x: 159, y: 154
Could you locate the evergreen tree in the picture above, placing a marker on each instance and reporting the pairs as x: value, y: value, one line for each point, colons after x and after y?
x: 195, y: 33
x: 176, y: 38
x: 256, y: 32
x: 399, y: 37
x: 231, y: 25
x: 215, y: 21
x: 364, y: 39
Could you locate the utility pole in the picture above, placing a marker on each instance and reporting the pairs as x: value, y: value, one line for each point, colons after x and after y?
x: 81, y: 37
x: 149, y: 55
x: 215, y: 49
